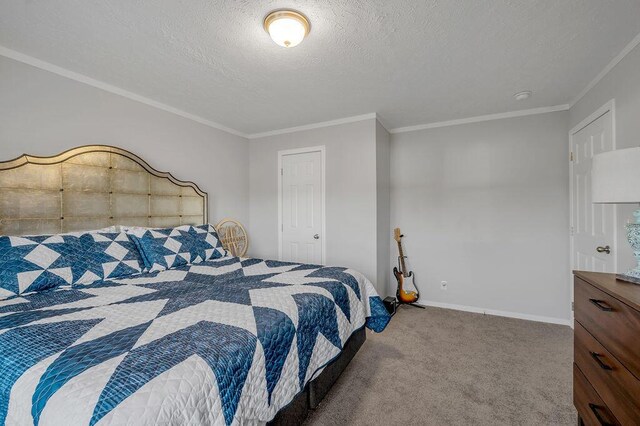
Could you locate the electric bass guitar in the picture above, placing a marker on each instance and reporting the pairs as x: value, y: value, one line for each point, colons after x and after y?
x: 404, y: 277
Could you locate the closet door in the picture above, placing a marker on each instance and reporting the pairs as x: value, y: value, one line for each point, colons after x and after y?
x: 301, y: 207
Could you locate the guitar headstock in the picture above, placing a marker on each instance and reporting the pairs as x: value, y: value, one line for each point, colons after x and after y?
x: 397, y: 235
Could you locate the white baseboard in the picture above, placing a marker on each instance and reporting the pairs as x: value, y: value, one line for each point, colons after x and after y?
x: 474, y: 309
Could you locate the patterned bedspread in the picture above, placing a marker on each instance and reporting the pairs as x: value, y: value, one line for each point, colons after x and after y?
x: 229, y: 341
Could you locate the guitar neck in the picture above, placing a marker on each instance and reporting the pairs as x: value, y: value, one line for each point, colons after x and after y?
x: 402, y: 264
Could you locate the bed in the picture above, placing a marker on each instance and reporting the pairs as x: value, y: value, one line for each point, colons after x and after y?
x: 211, y: 340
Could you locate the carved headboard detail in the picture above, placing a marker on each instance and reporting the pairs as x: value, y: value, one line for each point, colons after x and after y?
x: 92, y: 187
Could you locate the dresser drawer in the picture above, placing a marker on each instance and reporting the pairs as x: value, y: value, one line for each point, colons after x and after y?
x: 591, y: 408
x: 611, y: 322
x: 617, y: 387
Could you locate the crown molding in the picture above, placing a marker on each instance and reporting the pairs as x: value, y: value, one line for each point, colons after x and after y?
x: 628, y: 48
x: 480, y: 118
x: 321, y: 124
x: 30, y: 60
x: 383, y: 122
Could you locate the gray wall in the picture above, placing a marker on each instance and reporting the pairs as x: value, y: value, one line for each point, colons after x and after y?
x: 42, y: 113
x: 350, y: 190
x: 383, y: 207
x: 485, y: 207
x: 622, y: 83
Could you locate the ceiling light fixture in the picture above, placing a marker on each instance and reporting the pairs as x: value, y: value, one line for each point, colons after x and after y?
x: 521, y: 96
x: 287, y: 27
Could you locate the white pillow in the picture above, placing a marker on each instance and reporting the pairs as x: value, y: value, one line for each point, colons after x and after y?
x: 111, y: 228
x: 108, y: 229
x: 139, y: 230
x: 126, y: 228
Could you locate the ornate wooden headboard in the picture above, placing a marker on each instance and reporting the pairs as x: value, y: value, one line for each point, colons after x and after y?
x: 92, y: 187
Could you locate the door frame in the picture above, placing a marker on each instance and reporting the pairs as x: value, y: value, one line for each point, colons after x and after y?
x: 611, y: 108
x: 305, y: 150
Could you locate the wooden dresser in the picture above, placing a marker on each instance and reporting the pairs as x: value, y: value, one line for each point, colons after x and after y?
x: 606, y: 369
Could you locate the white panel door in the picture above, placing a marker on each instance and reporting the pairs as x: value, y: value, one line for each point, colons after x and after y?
x: 593, y: 224
x: 301, y: 208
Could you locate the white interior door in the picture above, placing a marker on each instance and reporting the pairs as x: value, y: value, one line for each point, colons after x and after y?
x: 593, y: 225
x: 302, y: 210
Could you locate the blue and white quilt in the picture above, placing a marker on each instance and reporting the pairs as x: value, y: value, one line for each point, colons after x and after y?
x: 227, y: 341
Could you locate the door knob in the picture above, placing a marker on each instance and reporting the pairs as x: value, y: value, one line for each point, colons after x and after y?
x: 605, y: 249
x: 316, y: 237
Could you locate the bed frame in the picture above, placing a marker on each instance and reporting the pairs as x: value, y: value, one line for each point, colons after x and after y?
x: 297, y: 411
x: 92, y: 187
x: 96, y: 186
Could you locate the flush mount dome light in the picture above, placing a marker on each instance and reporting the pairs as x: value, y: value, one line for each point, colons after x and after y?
x: 287, y: 27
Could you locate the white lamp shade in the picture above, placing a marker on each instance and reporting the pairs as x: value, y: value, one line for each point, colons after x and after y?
x: 615, y: 177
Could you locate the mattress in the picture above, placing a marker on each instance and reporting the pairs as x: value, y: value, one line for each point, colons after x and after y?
x: 228, y: 341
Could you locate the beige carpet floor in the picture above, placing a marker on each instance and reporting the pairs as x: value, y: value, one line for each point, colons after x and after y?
x: 443, y: 367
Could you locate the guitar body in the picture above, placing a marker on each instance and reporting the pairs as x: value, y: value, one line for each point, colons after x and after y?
x: 402, y: 294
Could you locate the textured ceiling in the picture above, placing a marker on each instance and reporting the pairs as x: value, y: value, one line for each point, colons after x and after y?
x: 410, y: 61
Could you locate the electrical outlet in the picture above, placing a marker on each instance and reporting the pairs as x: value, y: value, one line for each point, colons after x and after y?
x: 443, y: 285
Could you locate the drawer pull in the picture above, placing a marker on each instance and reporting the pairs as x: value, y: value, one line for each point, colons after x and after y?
x: 602, y: 365
x: 596, y: 412
x: 601, y: 304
